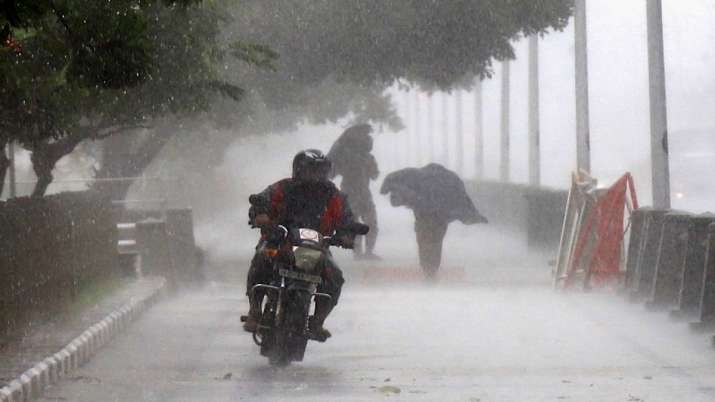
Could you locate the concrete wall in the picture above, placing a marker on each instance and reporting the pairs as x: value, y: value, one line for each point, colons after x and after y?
x: 535, y: 212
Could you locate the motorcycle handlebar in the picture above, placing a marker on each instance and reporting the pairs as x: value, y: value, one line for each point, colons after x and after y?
x: 355, y: 228
x: 256, y: 200
x: 275, y: 234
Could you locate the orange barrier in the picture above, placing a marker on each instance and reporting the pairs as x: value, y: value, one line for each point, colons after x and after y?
x: 591, y: 246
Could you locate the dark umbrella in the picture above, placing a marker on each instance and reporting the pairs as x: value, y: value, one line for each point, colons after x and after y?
x: 432, y: 189
x: 351, y: 147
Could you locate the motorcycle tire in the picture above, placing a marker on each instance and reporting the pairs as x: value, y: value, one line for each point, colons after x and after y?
x: 297, y: 312
x: 290, y: 339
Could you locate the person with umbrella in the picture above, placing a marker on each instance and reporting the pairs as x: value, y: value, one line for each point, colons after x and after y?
x: 437, y: 197
x: 352, y: 159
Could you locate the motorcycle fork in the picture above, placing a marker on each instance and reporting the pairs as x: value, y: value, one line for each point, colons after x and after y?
x: 279, y: 305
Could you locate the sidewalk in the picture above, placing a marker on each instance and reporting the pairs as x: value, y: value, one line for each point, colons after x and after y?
x: 21, y: 351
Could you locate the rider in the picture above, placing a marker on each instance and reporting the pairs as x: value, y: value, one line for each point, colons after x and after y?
x: 308, y: 200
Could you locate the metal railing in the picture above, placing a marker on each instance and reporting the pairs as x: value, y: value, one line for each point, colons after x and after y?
x: 25, y: 187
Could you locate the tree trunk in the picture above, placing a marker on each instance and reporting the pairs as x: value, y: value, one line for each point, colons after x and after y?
x: 116, y: 152
x: 43, y: 170
x: 45, y: 156
x: 127, y: 156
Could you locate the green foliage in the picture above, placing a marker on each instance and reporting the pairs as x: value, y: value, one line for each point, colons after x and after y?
x: 85, y: 69
x: 22, y: 13
x: 255, y: 54
x: 108, y: 49
x: 97, y: 64
x: 338, y: 56
x: 433, y: 43
x: 77, y: 69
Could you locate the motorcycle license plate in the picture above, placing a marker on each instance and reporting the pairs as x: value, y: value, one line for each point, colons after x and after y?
x: 300, y: 276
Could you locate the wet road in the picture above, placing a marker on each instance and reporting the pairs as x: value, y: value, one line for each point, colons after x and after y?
x: 486, y: 339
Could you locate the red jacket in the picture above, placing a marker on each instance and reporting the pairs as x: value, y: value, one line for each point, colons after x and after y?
x: 318, y: 206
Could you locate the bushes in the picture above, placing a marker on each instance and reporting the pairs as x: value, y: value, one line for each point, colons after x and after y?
x: 51, y: 247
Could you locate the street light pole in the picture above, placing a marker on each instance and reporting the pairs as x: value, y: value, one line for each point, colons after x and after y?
x: 583, y: 142
x: 478, y: 134
x: 430, y: 129
x: 459, y: 139
x: 658, y: 107
x: 504, y: 160
x: 407, y: 146
x: 418, y: 130
x: 445, y: 129
x: 534, y: 140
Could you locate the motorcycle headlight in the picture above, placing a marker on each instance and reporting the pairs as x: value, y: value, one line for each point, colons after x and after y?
x: 307, y: 259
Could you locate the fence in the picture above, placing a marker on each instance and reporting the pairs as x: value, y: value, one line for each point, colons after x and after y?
x: 536, y: 212
x: 50, y: 248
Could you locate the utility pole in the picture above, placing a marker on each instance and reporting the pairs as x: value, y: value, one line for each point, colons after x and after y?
x: 430, y: 128
x: 504, y: 160
x: 658, y: 107
x: 459, y: 139
x: 534, y: 140
x: 11, y: 170
x: 407, y: 146
x: 418, y: 129
x: 583, y: 142
x: 478, y: 134
x: 445, y: 129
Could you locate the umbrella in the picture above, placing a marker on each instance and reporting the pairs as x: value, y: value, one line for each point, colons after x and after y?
x: 351, y: 148
x: 432, y: 189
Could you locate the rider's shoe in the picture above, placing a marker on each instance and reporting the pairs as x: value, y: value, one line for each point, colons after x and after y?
x: 317, y: 331
x: 250, y: 324
x: 250, y: 321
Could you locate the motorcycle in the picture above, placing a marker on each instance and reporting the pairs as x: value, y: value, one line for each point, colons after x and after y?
x: 298, y: 256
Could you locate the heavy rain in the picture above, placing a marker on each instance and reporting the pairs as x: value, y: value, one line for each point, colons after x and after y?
x: 351, y: 200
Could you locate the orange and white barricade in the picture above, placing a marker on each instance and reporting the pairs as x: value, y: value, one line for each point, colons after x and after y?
x: 591, y: 245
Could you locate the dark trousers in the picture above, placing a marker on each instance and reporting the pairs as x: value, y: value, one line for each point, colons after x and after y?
x: 363, y: 209
x: 430, y: 230
x: 366, y: 212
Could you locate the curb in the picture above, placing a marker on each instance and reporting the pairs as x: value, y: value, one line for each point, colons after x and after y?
x: 31, y: 384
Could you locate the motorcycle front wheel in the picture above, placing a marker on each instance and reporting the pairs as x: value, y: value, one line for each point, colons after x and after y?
x: 291, y: 338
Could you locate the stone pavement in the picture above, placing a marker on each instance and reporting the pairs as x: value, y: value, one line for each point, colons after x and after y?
x: 488, y: 341
x: 21, y: 350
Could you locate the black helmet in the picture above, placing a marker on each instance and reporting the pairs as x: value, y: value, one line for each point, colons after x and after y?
x: 311, y: 165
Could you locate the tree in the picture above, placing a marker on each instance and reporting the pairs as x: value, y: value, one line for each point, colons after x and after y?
x: 88, y: 70
x: 433, y: 43
x: 336, y: 58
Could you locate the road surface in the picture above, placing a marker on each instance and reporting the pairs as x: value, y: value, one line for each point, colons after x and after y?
x: 498, y: 334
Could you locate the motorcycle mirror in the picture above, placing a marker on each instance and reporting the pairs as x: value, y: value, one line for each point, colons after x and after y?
x: 358, y: 228
x: 255, y: 199
x: 276, y: 234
